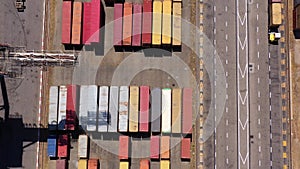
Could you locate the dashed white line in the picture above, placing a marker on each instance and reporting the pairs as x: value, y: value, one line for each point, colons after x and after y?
x: 226, y: 85
x: 226, y: 135
x: 226, y: 109
x: 257, y: 41
x: 258, y: 80
x: 227, y: 161
x: 258, y: 107
x: 226, y: 122
x: 215, y: 31
x: 258, y: 121
x: 257, y: 28
x: 259, y: 136
x: 227, y: 148
x: 259, y: 163
x: 226, y: 96
x: 226, y: 73
x: 258, y: 94
x: 215, y: 8
x: 226, y: 62
x: 226, y: 48
x: 257, y: 67
x: 226, y: 36
x: 258, y: 55
x: 257, y: 5
x: 215, y: 19
x: 226, y: 23
x: 257, y: 17
x: 226, y: 8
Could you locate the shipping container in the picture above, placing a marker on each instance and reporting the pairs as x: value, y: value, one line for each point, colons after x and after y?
x: 127, y: 24
x: 133, y: 109
x: 96, y: 20
x: 156, y: 21
x: 83, y: 142
x: 187, y: 111
x: 276, y: 15
x: 53, y: 107
x: 154, y: 147
x: 164, y: 164
x: 118, y: 24
x: 124, y: 165
x: 137, y: 25
x: 113, y: 109
x: 166, y: 110
x: 76, y: 23
x: 155, y: 109
x: 87, y: 23
x: 63, y: 146
x: 147, y: 22
x: 51, y: 151
x: 185, y: 148
x: 93, y: 164
x: 297, y: 17
x: 176, y: 26
x: 82, y: 164
x: 123, y: 109
x: 83, y: 106
x: 165, y: 147
x: 144, y: 164
x: 62, y: 107
x: 275, y: 1
x: 92, y: 108
x: 61, y: 164
x: 123, y: 147
x: 103, y: 109
x: 144, y: 109
x: 167, y: 22
x: 176, y: 110
x: 72, y: 106
x: 66, y: 22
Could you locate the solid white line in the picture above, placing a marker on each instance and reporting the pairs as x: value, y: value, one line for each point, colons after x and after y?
x: 39, y: 119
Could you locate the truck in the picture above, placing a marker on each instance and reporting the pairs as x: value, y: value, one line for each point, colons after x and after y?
x: 166, y: 110
x: 164, y: 164
x: 83, y: 142
x: 156, y: 110
x: 53, y: 108
x: 103, y: 109
x: 123, y: 109
x: 51, y: 151
x: 96, y: 19
x: 62, y: 107
x: 113, y: 109
x: 87, y: 23
x: 144, y: 109
x: 124, y: 165
x: 187, y: 116
x: 133, y: 109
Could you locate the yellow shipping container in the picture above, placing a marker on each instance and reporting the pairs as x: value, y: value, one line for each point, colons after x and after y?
x: 156, y: 23
x: 176, y: 110
x: 167, y: 23
x: 82, y: 164
x: 164, y: 164
x: 124, y: 165
x: 176, y: 37
x: 134, y: 109
x: 276, y: 17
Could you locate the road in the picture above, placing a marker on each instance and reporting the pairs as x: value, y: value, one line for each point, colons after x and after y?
x: 244, y: 137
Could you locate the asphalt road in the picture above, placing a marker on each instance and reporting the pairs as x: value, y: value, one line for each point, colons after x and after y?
x: 245, y: 135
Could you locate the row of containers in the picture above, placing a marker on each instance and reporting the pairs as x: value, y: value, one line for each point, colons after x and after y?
x: 145, y: 164
x: 159, y: 148
x: 82, y: 164
x: 81, y: 22
x: 121, y: 109
x: 154, y: 23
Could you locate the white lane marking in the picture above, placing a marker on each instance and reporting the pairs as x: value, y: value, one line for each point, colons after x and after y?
x: 259, y: 136
x: 215, y: 31
x: 215, y: 19
x: 257, y: 67
x: 258, y: 80
x: 258, y: 121
x: 257, y: 29
x: 215, y: 42
x: 259, y: 163
x: 226, y: 85
x: 257, y: 41
x: 226, y: 73
x: 226, y: 122
x: 226, y: 8
x: 226, y: 96
x: 259, y: 148
x: 258, y: 93
x: 39, y: 119
x: 226, y: 23
x: 226, y: 48
x: 226, y: 62
x: 258, y: 107
x: 271, y: 149
x: 226, y: 109
x: 244, y: 160
x: 227, y: 161
x: 258, y: 55
x: 257, y: 5
x: 226, y: 135
x: 227, y: 148
x: 215, y: 8
x: 226, y: 36
x: 257, y: 17
x: 270, y: 95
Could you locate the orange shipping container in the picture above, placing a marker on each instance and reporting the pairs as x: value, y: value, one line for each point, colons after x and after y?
x: 144, y: 164
x: 127, y: 24
x: 165, y: 147
x: 93, y: 164
x: 76, y: 24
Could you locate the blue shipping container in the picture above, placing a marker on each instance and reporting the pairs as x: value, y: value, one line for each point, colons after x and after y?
x: 51, y: 146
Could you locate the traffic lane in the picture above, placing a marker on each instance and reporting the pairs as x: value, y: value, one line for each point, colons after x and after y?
x: 22, y: 28
x: 225, y: 33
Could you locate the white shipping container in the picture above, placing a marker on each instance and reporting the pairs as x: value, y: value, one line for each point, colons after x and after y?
x: 53, y: 103
x: 113, y: 108
x: 166, y: 110
x: 123, y: 109
x: 83, y: 146
x: 92, y: 108
x: 103, y: 109
x: 83, y: 106
x: 62, y: 109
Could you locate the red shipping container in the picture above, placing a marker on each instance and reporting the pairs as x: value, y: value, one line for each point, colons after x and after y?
x: 144, y: 164
x: 165, y: 147
x: 72, y: 103
x: 66, y: 22
x: 63, y: 144
x: 118, y: 24
x: 87, y: 20
x: 147, y: 22
x: 95, y: 20
x: 187, y: 111
x: 185, y: 148
x: 123, y: 147
x: 61, y: 164
x: 93, y: 164
x: 144, y: 108
x: 154, y: 147
x: 127, y: 24
x: 137, y: 25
